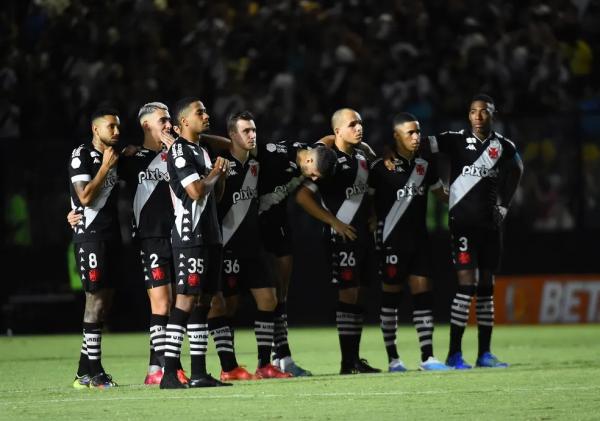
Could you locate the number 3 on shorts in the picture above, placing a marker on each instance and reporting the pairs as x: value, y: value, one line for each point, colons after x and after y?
x: 464, y: 245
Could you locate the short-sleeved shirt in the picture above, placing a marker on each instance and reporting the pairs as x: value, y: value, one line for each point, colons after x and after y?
x: 401, y: 198
x: 100, y: 218
x: 196, y: 222
x: 147, y: 183
x: 238, y: 208
x: 475, y: 168
x: 345, y: 193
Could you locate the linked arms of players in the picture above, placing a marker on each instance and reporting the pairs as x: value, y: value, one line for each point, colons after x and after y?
x: 306, y: 198
x: 202, y: 187
x: 329, y: 140
x: 87, y: 191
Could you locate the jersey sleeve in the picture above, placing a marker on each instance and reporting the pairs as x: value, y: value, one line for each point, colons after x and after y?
x: 442, y: 142
x: 80, y: 168
x: 375, y: 174
x: 183, y: 164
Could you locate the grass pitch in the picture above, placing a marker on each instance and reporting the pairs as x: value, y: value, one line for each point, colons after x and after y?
x: 554, y: 374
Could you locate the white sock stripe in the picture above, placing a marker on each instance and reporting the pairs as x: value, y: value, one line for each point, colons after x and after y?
x: 482, y: 323
x: 388, y: 318
x: 462, y: 309
x: 202, y: 326
x: 390, y: 343
x: 348, y: 326
x: 344, y: 333
x: 264, y: 343
x: 423, y: 319
x: 344, y: 316
x: 264, y: 338
x: 389, y: 310
x: 425, y: 333
x: 178, y: 328
x: 460, y: 316
x: 458, y: 323
x: 426, y: 342
x: 422, y: 312
x: 171, y: 354
x: 463, y: 296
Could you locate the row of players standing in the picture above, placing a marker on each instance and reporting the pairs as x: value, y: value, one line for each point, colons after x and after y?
x: 400, y: 214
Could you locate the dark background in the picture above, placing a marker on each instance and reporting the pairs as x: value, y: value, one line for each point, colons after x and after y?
x: 292, y: 63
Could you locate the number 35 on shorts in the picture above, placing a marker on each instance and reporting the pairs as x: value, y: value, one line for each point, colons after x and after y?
x: 195, y: 265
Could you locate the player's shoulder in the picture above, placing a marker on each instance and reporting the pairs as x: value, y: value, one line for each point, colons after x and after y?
x: 81, y: 150
x: 377, y: 164
x: 505, y: 140
x: 83, y: 155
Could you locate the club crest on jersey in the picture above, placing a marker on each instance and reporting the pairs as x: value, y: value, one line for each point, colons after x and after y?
x: 363, y: 163
x: 420, y: 169
x: 254, y: 169
x: 493, y: 152
x: 163, y: 156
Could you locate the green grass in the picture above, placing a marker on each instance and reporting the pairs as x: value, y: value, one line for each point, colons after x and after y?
x: 554, y: 374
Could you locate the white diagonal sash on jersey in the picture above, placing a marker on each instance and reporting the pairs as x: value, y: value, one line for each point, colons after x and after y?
x: 90, y: 212
x: 350, y: 206
x: 146, y: 188
x: 401, y: 204
x: 236, y: 214
x: 464, y: 183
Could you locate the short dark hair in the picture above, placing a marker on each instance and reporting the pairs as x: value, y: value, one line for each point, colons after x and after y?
x: 326, y: 160
x: 232, y: 119
x: 102, y: 111
x: 180, y: 107
x: 484, y: 98
x: 402, y: 118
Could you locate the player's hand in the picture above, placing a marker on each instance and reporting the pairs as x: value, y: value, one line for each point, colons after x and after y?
x: 73, y: 218
x: 347, y: 232
x: 221, y: 166
x: 166, y: 139
x: 499, y: 215
x: 389, y: 164
x: 110, y: 157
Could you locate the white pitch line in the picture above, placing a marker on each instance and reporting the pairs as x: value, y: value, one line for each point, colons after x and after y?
x: 98, y: 398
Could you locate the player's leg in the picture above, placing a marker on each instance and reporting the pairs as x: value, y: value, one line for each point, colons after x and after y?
x: 392, y: 272
x: 197, y: 329
x: 283, y: 272
x: 489, y: 262
x: 156, y: 257
x: 190, y: 273
x: 98, y: 268
x: 422, y: 298
x: 266, y: 302
x: 464, y: 246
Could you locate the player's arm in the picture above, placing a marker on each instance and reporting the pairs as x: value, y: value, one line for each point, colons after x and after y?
x: 217, y: 143
x: 306, y: 198
x: 329, y: 141
x: 511, y: 175
x: 199, y: 188
x: 440, y: 192
x: 87, y: 191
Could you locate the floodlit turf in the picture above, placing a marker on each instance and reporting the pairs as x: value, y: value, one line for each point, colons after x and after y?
x: 554, y: 374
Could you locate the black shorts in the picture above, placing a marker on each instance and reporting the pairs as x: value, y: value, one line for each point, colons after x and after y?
x: 276, y: 236
x: 475, y: 248
x: 198, y: 269
x: 353, y: 263
x: 396, y: 264
x: 98, y: 263
x: 243, y: 273
x: 157, y: 261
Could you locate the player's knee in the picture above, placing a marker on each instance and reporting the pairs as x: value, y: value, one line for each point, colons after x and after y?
x: 393, y: 288
x: 348, y: 295
x: 268, y: 302
x: 466, y: 277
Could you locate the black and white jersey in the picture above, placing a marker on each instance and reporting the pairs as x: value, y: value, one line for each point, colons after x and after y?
x: 345, y: 193
x: 280, y: 176
x: 475, y: 167
x: 100, y: 219
x: 238, y: 208
x: 401, y: 197
x: 147, y: 182
x: 196, y: 221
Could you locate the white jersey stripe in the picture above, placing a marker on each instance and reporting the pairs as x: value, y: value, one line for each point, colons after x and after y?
x: 351, y: 205
x: 237, y: 212
x: 465, y: 182
x: 402, y: 203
